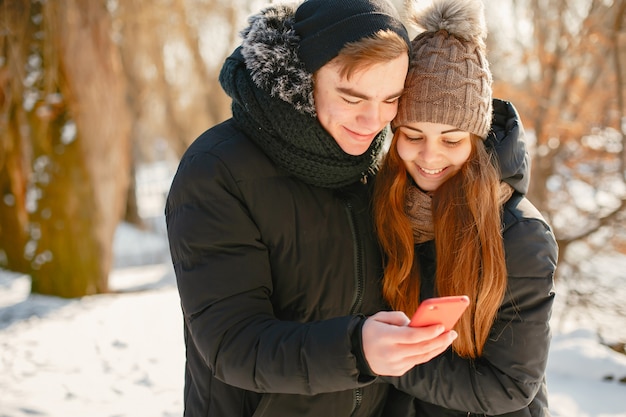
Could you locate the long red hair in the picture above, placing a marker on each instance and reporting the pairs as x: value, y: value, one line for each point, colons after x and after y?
x: 468, y: 242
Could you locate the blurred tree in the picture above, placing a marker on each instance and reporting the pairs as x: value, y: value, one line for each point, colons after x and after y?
x: 174, y: 91
x: 15, y: 25
x: 77, y: 81
x: 75, y: 116
x: 563, y: 68
x: 171, y: 56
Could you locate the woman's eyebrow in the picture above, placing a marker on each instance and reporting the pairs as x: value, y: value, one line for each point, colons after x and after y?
x: 441, y: 133
x: 451, y: 131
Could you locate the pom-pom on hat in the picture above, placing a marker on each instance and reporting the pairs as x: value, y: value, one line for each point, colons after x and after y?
x: 449, y: 80
x: 326, y: 26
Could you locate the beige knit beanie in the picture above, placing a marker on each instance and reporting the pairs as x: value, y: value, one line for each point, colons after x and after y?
x: 449, y: 80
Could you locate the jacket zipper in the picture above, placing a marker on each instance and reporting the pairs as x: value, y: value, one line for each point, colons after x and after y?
x: 358, y: 261
x: 358, y: 283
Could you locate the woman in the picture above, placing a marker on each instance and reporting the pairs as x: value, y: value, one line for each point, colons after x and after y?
x: 449, y: 226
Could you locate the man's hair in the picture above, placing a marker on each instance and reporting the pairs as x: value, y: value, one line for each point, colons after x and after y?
x: 383, y: 46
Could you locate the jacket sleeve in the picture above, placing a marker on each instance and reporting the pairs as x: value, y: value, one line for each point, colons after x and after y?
x: 511, y: 370
x: 224, y: 279
x: 507, y: 141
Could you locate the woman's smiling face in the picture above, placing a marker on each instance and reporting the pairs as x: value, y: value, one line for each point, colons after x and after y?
x: 432, y: 152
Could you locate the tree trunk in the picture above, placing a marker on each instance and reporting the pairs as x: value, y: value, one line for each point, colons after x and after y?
x: 83, y: 202
x: 131, y: 214
x: 13, y: 214
x: 14, y: 148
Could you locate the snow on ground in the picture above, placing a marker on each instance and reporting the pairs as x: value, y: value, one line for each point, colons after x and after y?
x: 109, y: 355
x: 122, y: 354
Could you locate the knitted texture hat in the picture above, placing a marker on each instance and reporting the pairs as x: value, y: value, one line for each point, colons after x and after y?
x: 326, y: 26
x: 449, y: 80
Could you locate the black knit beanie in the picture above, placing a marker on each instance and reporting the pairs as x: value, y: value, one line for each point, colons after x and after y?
x: 326, y: 26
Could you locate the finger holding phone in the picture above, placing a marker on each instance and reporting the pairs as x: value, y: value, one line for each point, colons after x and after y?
x: 393, y: 344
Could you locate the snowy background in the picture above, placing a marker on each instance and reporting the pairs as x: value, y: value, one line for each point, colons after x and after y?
x: 122, y: 354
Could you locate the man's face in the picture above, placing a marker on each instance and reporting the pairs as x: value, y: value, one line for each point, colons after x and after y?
x: 355, y: 110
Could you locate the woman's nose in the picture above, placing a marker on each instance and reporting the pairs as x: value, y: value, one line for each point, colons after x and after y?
x: 428, y: 150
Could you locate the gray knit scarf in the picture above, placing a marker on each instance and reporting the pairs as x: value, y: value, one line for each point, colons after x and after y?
x: 418, y: 209
x: 273, y: 104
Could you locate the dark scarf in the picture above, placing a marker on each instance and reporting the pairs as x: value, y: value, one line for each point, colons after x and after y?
x: 273, y: 104
x: 294, y: 140
x: 419, y: 211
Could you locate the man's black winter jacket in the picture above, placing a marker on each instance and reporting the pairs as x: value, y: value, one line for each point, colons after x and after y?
x: 256, y: 254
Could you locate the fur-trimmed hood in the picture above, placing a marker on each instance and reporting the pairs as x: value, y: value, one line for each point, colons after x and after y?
x: 270, y: 52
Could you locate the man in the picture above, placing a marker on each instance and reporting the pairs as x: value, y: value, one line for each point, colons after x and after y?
x: 269, y: 224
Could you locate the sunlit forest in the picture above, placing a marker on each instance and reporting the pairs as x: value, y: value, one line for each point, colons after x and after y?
x: 94, y: 93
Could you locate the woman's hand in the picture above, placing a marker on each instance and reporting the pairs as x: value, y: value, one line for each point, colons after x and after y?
x: 391, y: 347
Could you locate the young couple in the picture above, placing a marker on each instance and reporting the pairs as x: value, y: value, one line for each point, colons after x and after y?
x: 301, y: 249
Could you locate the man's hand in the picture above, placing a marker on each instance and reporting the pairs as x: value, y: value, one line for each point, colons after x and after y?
x: 392, y: 348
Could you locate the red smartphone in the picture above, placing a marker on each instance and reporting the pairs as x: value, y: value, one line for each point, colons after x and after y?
x: 440, y: 310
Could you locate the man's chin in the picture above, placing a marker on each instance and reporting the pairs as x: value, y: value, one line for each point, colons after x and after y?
x: 356, y: 150
x: 355, y: 147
